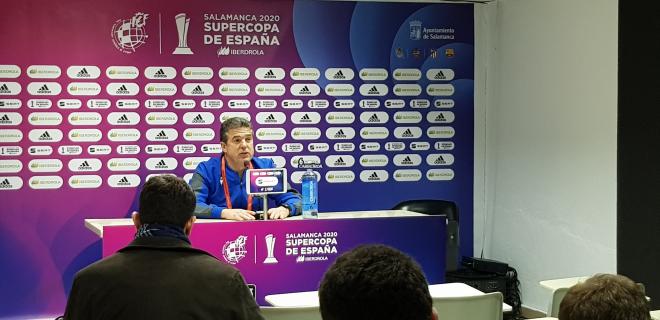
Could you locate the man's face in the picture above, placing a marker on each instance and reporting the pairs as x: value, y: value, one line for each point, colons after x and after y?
x: 238, y: 147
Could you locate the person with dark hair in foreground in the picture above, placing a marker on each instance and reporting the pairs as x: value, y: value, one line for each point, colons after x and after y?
x: 219, y: 183
x: 159, y: 275
x: 375, y: 282
x: 605, y: 297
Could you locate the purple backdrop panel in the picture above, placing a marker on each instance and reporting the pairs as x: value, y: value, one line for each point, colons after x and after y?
x: 293, y: 255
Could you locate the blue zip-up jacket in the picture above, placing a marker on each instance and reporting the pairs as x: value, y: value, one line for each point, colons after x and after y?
x: 207, y: 185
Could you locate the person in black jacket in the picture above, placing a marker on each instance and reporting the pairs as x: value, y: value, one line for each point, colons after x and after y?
x: 159, y: 275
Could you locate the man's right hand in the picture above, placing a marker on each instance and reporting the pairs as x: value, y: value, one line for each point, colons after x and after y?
x: 237, y: 214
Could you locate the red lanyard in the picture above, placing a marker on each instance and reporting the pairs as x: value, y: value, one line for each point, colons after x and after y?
x: 225, y: 185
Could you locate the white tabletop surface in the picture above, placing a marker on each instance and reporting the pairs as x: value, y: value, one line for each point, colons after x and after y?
x: 96, y: 225
x: 311, y: 298
x: 555, y: 284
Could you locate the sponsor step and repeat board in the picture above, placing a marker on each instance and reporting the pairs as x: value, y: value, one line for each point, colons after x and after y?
x: 375, y: 97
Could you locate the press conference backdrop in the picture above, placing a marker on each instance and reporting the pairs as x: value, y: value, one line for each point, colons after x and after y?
x: 97, y: 96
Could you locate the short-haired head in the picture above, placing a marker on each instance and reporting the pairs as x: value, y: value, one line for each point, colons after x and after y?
x: 166, y: 199
x: 375, y: 282
x: 605, y: 296
x: 232, y: 123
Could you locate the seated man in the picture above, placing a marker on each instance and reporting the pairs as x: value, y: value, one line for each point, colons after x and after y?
x: 219, y: 183
x: 159, y: 275
x: 605, y: 296
x: 375, y: 282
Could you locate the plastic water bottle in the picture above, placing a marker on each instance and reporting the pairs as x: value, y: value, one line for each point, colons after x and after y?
x: 310, y: 192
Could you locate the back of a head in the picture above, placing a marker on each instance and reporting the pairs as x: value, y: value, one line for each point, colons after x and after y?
x: 166, y: 199
x: 374, y: 282
x: 605, y: 296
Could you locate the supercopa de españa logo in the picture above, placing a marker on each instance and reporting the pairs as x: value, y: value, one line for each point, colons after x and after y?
x: 129, y: 34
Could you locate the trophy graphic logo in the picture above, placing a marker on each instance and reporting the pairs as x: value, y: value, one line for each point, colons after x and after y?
x: 182, y: 24
x: 270, y: 245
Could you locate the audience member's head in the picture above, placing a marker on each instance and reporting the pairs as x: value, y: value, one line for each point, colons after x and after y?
x: 605, y: 296
x: 375, y: 282
x: 166, y: 200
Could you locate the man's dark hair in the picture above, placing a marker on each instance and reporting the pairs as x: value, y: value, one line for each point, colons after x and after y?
x: 605, y: 296
x: 374, y: 282
x: 232, y: 123
x: 166, y: 199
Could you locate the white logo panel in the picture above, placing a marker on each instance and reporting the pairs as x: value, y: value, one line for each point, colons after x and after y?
x: 440, y: 89
x: 440, y: 132
x: 85, y: 165
x: 374, y: 133
x: 369, y: 146
x: 440, y: 74
x: 318, y: 147
x: 13, y: 103
x: 340, y: 161
x: 304, y: 74
x: 70, y: 150
x: 340, y: 176
x: 124, y: 181
x: 10, y: 88
x: 83, y: 88
x: 339, y: 74
x: 269, y: 73
x: 122, y: 72
x: 124, y: 135
x: 443, y: 145
x: 160, y: 89
x: 161, y: 164
x: 198, y: 118
x: 368, y: 89
x: 270, y: 89
x: 374, y: 160
x: 344, y: 147
x: 9, y: 71
x: 271, y: 117
x: 443, y: 103
x: 420, y: 103
x: 44, y: 88
x: 197, y: 73
x: 36, y: 151
x: 440, y: 117
x: 10, y: 166
x: 123, y: 164
x: 191, y: 163
x: 98, y: 103
x: 83, y: 72
x: 292, y: 104
x: 43, y: 72
x: 370, y: 117
x: 407, y: 132
x: 160, y: 73
x: 229, y: 73
x: 305, y: 133
x: 440, y: 174
x: 374, y: 175
x: 197, y: 89
x: 373, y: 74
x: 369, y: 103
x: 407, y: 90
x: 407, y: 160
x: 340, y: 133
x: 85, y: 135
x: 270, y: 134
x: 407, y: 117
x: 305, y: 89
x: 123, y: 118
x: 10, y: 135
x: 265, y: 147
x: 161, y: 118
x: 85, y: 181
x: 338, y: 117
x: 234, y: 89
x: 122, y: 89
x: 339, y: 89
x: 226, y: 115
x: 162, y: 134
x: 184, y: 104
x: 212, y: 104
x: 407, y: 175
x: 440, y: 159
x: 99, y: 149
x: 344, y: 104
x: 10, y: 183
x: 41, y: 135
x: 306, y: 117
x: 46, y: 182
x: 403, y: 74
x: 45, y: 165
x: 12, y: 119
x: 199, y: 134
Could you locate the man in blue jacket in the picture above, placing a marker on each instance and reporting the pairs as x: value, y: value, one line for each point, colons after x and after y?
x: 219, y: 183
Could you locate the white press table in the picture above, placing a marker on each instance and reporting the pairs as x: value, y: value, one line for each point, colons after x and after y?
x: 311, y: 298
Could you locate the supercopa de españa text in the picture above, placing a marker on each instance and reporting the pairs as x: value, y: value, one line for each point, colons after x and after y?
x: 251, y: 30
x: 312, y: 243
